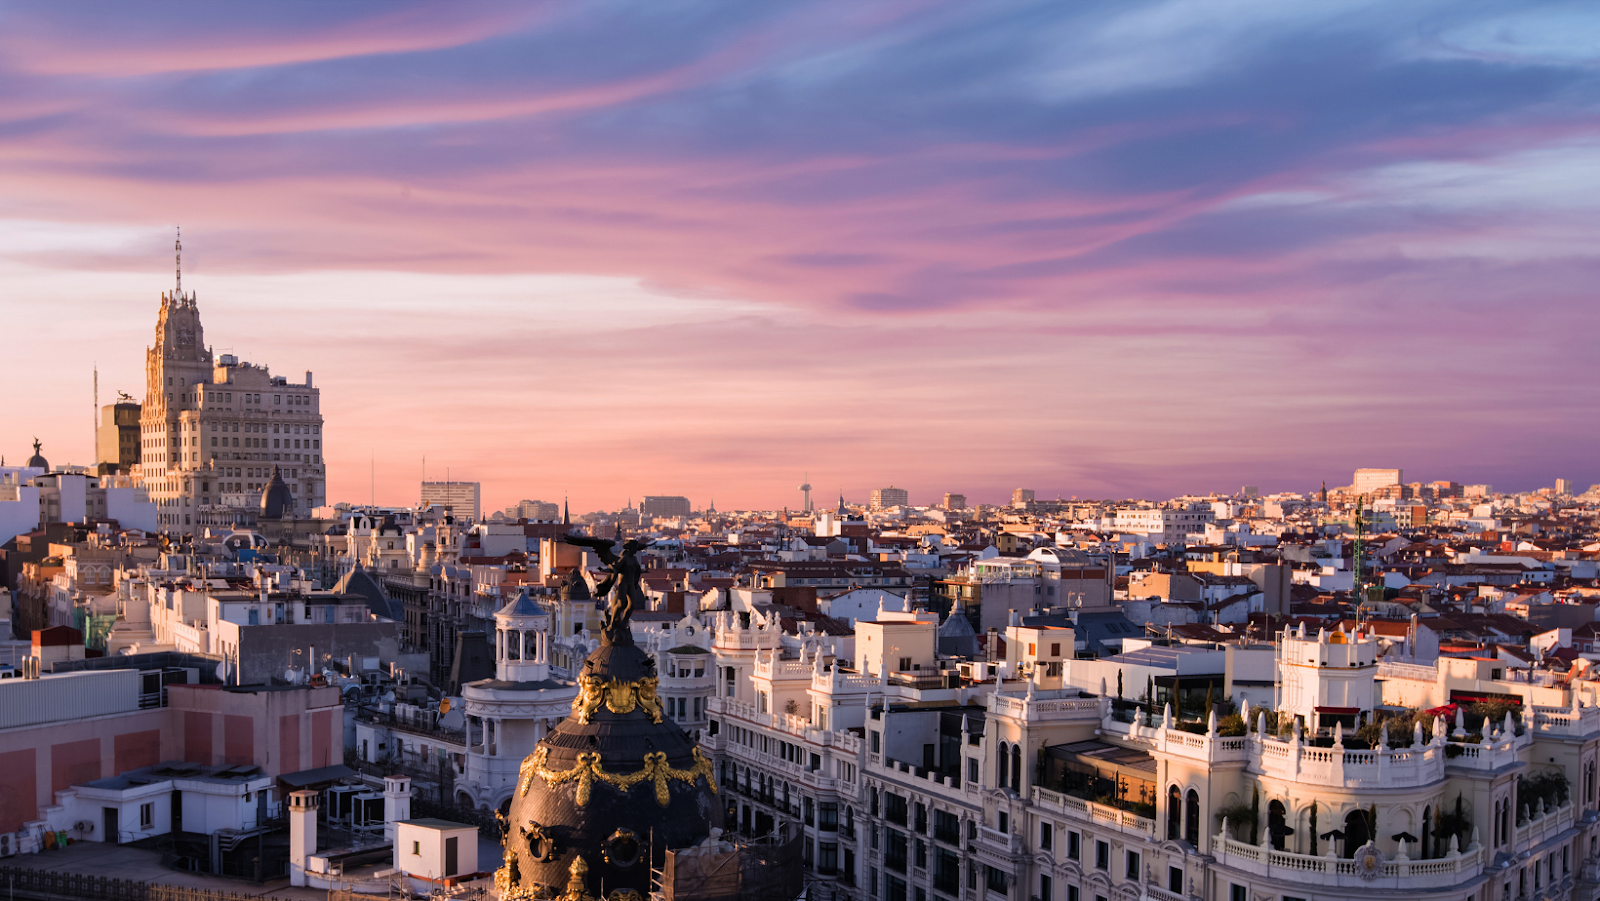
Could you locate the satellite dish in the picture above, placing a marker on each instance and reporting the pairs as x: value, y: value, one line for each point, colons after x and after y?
x: 444, y: 706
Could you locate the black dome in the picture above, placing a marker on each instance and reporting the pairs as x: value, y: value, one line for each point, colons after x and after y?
x: 38, y: 461
x: 276, y: 499
x: 614, y: 784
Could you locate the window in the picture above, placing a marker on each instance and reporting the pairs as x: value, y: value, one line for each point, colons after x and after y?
x: 1073, y: 843
x: 1072, y: 893
x: 1175, y: 881
x: 147, y: 816
x: 894, y: 808
x: 416, y: 849
x: 1002, y: 821
x: 827, y: 857
x: 828, y: 816
x: 1102, y: 855
x: 1044, y: 888
x: 1046, y: 835
x: 946, y: 827
x: 875, y: 741
x: 894, y: 856
x: 996, y: 880
x: 1238, y: 893
x: 1132, y: 871
x: 972, y: 770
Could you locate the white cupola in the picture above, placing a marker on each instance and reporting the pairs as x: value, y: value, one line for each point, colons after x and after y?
x: 522, y: 641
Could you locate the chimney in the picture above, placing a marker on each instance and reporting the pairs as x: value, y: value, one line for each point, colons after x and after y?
x: 396, y: 803
x: 302, y: 833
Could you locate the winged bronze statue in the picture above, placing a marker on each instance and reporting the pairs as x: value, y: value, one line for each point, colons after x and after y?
x: 624, y: 574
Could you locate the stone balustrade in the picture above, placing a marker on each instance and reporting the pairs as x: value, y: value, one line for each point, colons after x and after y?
x: 1121, y: 820
x: 1397, y: 874
x: 1044, y: 707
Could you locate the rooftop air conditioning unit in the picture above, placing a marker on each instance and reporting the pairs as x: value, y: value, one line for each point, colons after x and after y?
x: 8, y: 844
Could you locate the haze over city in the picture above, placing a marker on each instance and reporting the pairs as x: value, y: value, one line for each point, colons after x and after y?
x: 1099, y: 250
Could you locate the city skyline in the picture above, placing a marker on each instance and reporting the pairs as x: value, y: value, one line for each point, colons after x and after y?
x: 1103, y: 251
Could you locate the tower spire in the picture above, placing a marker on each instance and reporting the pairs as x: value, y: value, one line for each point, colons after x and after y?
x: 178, y: 247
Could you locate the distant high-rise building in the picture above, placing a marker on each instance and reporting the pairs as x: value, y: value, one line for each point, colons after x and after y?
x: 526, y: 509
x: 463, y: 498
x: 1477, y: 490
x: 665, y: 507
x: 1021, y: 497
x: 884, y: 498
x: 955, y: 501
x: 117, y: 441
x: 1564, y: 486
x: 211, y: 427
x: 1370, y: 480
x: 1249, y: 491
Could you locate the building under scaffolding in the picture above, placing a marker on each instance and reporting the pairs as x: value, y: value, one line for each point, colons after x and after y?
x: 723, y: 871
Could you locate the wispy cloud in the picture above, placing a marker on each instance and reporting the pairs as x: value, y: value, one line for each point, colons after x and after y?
x: 1100, y: 248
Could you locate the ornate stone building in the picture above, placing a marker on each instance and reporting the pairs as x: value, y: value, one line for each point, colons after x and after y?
x: 212, y: 427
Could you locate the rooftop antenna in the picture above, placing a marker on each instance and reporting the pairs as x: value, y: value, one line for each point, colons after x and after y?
x: 178, y: 246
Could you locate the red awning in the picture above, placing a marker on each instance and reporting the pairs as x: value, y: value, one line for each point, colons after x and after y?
x: 1340, y: 711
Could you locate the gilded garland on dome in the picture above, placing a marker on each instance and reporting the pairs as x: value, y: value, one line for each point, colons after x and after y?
x: 588, y: 771
x: 617, y: 696
x: 506, y: 887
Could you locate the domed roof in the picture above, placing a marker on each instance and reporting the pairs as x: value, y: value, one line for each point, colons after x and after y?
x: 276, y: 499
x: 575, y: 587
x: 522, y: 605
x: 38, y: 461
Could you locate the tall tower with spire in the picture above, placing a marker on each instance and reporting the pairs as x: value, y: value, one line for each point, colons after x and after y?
x: 212, y: 430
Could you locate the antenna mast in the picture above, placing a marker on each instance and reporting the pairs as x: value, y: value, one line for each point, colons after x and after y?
x: 1358, y: 551
x: 178, y: 247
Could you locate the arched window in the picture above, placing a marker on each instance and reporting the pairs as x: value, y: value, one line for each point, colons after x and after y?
x: 1016, y: 768
x: 1191, y: 819
x: 1005, y: 765
x: 1426, y: 850
x: 1174, y: 814
x: 1356, y: 832
x: 1277, y: 824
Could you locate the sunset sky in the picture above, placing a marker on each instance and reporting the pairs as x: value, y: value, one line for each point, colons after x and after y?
x: 616, y: 249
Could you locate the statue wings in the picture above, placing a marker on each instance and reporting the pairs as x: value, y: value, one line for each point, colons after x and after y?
x: 602, y: 546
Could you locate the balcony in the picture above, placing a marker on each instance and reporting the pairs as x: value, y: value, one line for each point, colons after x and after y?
x: 1397, y: 874
x: 1122, y: 820
x: 1057, y: 706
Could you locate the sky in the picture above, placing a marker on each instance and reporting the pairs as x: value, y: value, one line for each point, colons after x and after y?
x: 604, y: 250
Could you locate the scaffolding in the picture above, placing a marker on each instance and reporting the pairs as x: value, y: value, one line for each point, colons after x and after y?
x: 723, y: 871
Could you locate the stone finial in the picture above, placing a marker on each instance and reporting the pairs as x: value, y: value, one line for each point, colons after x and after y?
x: 1455, y: 846
x: 964, y: 727
x: 1322, y: 635
x: 1383, y: 736
x: 1416, y: 734
x: 1211, y: 723
x: 1244, y: 712
x: 1461, y: 728
x: 1510, y: 728
x: 1261, y: 723
x: 1338, y: 735
x: 1166, y: 715
x: 1440, y: 728
x: 1476, y: 845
